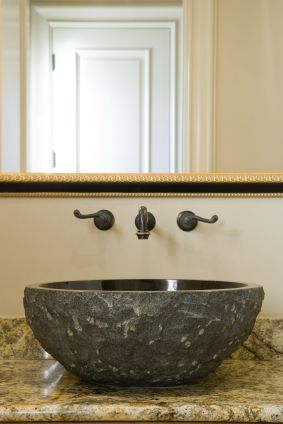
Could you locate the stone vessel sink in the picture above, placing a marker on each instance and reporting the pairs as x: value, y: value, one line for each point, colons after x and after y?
x: 141, y: 332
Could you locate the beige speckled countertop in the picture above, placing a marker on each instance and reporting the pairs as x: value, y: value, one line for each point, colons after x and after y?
x: 248, y: 387
x: 239, y: 391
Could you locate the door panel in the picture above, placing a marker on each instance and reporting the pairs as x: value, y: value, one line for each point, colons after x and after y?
x: 112, y: 96
x: 113, y: 110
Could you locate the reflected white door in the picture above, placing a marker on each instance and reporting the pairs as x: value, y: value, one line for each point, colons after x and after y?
x: 114, y: 97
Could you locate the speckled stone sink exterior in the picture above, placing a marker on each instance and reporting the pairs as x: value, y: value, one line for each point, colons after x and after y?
x: 142, y: 332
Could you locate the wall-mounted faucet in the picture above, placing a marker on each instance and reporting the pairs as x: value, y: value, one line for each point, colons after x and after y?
x: 145, y: 222
x: 103, y: 220
x: 188, y: 220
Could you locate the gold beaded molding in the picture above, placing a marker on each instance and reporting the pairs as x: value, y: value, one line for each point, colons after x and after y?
x: 34, y: 178
x: 142, y: 178
x: 137, y: 195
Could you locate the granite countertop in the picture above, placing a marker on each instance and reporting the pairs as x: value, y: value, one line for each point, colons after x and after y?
x: 239, y: 391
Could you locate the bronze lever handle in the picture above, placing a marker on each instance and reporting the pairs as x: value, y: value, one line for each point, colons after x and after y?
x: 103, y: 219
x: 188, y: 220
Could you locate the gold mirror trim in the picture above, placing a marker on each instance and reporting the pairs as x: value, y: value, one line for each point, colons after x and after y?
x: 142, y: 178
x: 137, y: 195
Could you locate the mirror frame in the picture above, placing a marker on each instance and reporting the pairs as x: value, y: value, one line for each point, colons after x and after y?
x: 142, y: 185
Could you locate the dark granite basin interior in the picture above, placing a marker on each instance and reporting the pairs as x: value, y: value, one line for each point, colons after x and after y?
x: 142, y: 332
x: 142, y: 285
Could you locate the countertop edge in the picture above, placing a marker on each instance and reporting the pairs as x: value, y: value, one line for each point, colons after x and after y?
x: 123, y: 413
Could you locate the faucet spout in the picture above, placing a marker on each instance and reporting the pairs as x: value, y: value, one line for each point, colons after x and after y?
x: 145, y: 222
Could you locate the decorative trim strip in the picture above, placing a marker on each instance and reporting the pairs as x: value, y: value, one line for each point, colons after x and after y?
x: 143, y: 178
x: 137, y: 195
x: 141, y: 185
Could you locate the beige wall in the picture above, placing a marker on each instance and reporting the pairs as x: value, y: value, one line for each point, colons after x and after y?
x: 41, y: 241
x: 249, y: 86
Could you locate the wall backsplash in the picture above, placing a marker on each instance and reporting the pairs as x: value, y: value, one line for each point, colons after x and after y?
x: 42, y: 241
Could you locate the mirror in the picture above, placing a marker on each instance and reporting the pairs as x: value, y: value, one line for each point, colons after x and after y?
x: 142, y: 86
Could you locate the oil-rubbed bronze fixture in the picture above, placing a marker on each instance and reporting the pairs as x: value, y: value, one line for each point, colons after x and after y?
x: 145, y: 222
x: 103, y: 220
x: 188, y: 220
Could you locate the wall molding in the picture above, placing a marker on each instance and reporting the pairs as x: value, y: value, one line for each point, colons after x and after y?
x: 202, y: 178
x: 73, y: 195
x: 24, y: 73
x: 142, y: 185
x: 199, y: 71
